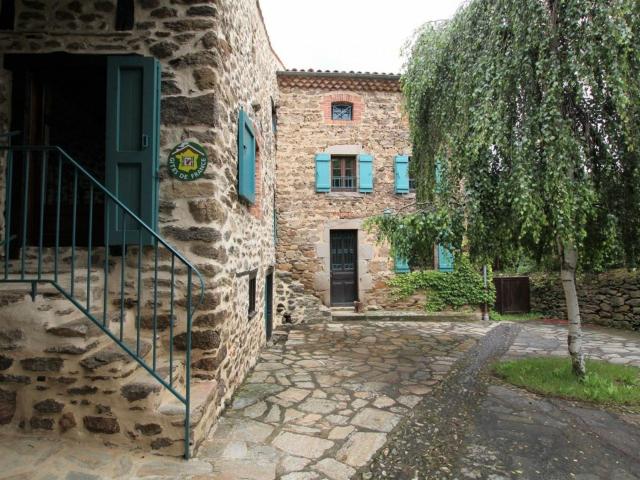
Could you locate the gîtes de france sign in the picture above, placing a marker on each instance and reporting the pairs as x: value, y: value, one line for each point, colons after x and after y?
x: 187, y: 161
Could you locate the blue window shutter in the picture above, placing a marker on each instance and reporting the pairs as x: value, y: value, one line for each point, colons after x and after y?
x: 246, y: 159
x: 402, y: 173
x: 445, y: 259
x: 323, y: 172
x: 365, y: 176
x: 402, y: 265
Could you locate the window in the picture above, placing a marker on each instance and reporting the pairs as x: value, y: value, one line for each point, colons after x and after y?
x: 7, y: 14
x: 343, y: 174
x: 246, y: 159
x: 341, y: 111
x: 124, y: 15
x: 252, y: 294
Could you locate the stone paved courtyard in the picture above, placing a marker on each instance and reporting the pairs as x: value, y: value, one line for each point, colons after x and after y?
x: 615, y: 346
x: 316, y: 407
x: 325, y: 404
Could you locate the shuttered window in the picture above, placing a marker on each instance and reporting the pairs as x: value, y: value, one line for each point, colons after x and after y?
x: 401, y: 166
x: 401, y: 265
x: 323, y: 172
x: 246, y: 159
x: 365, y: 175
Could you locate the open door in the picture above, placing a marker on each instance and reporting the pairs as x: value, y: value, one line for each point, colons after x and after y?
x: 132, y: 145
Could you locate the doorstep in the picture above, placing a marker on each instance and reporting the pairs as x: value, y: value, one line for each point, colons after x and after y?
x: 343, y: 315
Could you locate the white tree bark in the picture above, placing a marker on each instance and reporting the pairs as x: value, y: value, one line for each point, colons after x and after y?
x: 569, y: 257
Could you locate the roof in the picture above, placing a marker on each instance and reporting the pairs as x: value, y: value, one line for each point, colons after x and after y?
x: 334, y: 80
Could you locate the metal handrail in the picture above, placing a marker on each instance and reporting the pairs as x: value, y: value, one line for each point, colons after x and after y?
x: 143, y: 229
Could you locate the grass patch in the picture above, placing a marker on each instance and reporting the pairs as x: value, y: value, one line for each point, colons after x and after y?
x: 515, y: 317
x: 605, y: 383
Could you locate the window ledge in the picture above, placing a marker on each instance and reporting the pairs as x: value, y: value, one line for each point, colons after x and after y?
x: 346, y: 194
x: 252, y: 314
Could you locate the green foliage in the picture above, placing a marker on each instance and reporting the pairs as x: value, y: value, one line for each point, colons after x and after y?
x: 514, y: 317
x: 604, y: 383
x: 462, y: 287
x: 532, y: 110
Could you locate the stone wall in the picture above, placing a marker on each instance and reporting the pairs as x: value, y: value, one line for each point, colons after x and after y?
x: 216, y: 59
x: 294, y: 305
x: 379, y: 128
x: 611, y: 299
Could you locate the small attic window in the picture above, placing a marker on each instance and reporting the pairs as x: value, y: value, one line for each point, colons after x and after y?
x: 7, y: 14
x: 125, y: 15
x: 341, y: 111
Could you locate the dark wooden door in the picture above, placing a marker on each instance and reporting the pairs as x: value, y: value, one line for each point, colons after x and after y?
x: 512, y: 294
x: 344, y: 263
x: 268, y: 304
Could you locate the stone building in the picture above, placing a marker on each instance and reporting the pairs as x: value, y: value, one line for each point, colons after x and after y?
x: 118, y: 85
x: 145, y: 145
x: 343, y: 153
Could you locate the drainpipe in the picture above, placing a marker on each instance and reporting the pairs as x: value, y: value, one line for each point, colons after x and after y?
x: 485, y: 307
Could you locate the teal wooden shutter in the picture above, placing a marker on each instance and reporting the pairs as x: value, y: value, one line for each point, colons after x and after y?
x: 132, y: 145
x: 246, y: 159
x: 445, y: 259
x: 365, y: 176
x: 402, y: 173
x: 323, y: 172
x: 401, y: 265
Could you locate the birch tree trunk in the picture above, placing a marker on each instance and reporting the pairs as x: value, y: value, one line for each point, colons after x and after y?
x: 569, y: 256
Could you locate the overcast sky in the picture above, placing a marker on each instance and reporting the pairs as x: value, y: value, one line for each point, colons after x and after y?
x: 365, y: 35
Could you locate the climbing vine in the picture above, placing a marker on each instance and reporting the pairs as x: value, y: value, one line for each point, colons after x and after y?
x: 462, y: 287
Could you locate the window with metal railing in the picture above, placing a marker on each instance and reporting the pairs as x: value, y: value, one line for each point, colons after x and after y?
x: 341, y: 111
x: 343, y: 174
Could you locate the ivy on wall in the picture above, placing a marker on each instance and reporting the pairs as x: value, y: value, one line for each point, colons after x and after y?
x: 457, y: 289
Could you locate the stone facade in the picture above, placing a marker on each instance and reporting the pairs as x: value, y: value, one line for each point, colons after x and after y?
x: 611, y: 299
x: 379, y: 128
x: 216, y: 59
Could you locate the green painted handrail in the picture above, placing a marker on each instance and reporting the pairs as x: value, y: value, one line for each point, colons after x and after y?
x: 79, y: 172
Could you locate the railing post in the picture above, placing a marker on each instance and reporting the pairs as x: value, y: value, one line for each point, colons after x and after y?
x: 187, y: 428
x: 25, y: 206
x: 73, y: 230
x: 43, y: 192
x: 7, y: 226
x: 56, y: 253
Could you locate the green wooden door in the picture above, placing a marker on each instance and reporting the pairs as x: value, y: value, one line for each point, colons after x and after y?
x: 133, y: 132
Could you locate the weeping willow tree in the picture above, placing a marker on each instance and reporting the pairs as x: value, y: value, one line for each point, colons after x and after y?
x: 531, y: 110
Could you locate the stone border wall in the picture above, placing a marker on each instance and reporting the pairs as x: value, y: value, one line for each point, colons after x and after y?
x: 611, y: 299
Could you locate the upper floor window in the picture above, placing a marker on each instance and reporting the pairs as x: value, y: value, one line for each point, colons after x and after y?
x: 341, y: 111
x: 7, y: 14
x: 343, y: 174
x: 125, y: 15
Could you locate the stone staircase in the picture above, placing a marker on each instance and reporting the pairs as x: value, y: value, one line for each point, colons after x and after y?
x: 60, y: 374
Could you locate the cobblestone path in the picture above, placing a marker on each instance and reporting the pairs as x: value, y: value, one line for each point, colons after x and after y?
x: 615, y: 346
x: 321, y: 405
x: 316, y: 407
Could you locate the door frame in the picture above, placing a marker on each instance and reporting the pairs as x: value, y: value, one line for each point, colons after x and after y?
x: 355, y: 271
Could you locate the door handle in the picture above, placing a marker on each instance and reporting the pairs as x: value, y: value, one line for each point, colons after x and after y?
x: 145, y: 141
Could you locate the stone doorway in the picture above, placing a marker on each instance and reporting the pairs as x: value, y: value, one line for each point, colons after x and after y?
x: 60, y: 100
